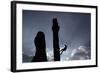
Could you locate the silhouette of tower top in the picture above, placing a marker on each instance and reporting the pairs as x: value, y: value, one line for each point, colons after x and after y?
x: 55, y: 21
x: 55, y: 26
x: 55, y: 29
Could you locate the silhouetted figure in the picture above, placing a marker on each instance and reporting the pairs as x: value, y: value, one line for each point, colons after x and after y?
x: 40, y: 44
x: 64, y: 49
x: 55, y: 29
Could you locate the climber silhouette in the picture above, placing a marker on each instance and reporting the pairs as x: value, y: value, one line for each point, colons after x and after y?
x: 40, y: 45
x: 63, y: 49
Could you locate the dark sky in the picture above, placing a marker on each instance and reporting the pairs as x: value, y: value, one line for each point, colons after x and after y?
x: 74, y: 30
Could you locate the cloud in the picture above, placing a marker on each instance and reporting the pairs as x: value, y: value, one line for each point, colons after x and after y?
x: 50, y: 56
x: 80, y: 53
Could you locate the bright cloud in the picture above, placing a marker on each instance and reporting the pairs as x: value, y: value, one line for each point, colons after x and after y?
x: 80, y: 53
x: 50, y: 56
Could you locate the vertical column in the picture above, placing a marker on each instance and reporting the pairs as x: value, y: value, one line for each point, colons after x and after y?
x: 55, y: 29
